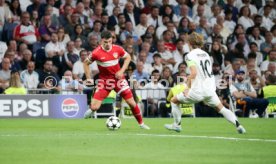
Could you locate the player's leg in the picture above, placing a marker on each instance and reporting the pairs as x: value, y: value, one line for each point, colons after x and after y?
x: 176, y: 112
x: 228, y: 114
x: 126, y: 94
x: 98, y: 97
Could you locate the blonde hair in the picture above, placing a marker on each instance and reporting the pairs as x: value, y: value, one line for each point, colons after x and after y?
x: 15, y: 80
x: 196, y: 40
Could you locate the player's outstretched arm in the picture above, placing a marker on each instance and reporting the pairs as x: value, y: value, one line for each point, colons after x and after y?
x: 86, y: 64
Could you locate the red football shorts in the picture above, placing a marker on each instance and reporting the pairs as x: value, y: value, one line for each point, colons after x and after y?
x: 104, y: 87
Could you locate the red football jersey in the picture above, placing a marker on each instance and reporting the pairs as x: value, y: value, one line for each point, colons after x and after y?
x: 107, y: 61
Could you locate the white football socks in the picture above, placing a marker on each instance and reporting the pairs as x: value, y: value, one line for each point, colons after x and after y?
x: 176, y: 113
x: 229, y: 115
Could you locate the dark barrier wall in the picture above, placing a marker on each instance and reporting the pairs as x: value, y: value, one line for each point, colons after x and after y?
x: 48, y: 106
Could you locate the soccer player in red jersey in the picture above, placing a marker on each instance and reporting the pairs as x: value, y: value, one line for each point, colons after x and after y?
x: 111, y: 75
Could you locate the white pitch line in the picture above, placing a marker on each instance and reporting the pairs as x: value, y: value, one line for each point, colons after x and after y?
x: 209, y: 137
x: 147, y: 135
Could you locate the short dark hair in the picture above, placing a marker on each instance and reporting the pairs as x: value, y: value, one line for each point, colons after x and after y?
x: 154, y: 71
x: 106, y: 34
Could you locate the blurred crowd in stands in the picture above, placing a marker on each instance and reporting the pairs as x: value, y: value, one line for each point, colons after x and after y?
x: 43, y: 40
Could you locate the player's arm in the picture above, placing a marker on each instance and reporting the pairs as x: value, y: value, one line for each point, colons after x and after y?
x: 127, y: 59
x: 193, y: 72
x: 86, y: 64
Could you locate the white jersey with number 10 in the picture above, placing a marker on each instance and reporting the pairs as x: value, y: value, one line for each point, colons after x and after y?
x: 204, y: 79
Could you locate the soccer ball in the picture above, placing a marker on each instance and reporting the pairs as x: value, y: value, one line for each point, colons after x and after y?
x: 113, y: 123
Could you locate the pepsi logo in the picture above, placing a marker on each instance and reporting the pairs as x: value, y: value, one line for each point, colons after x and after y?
x: 70, y: 107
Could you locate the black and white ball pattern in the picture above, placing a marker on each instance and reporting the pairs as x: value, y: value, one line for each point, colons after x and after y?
x: 113, y: 123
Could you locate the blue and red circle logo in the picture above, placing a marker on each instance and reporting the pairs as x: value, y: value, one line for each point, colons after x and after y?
x: 70, y: 107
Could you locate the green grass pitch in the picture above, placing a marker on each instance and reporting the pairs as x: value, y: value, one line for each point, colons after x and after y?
x: 78, y: 141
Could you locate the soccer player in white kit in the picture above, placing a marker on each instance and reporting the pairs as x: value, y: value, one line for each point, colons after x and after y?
x: 202, y: 86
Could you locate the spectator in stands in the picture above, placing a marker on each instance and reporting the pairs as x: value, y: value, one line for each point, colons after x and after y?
x: 26, y: 32
x: 270, y: 88
x: 68, y: 85
x: 132, y: 13
x: 47, y: 78
x: 267, y: 21
x: 228, y: 22
x: 96, y: 30
x: 168, y: 11
x: 244, y: 91
x: 84, y: 20
x: 183, y: 26
x: 54, y: 48
x: 15, y: 86
x: 271, y: 58
x: 130, y: 32
x: 36, y: 5
x: 267, y: 45
x: 65, y: 18
x: 4, y: 16
x: 22, y: 47
x: 154, y: 91
x: 254, y: 50
x: 203, y: 27
x: 79, y: 33
x: 156, y: 65
x: 166, y: 77
x: 143, y: 25
x: 216, y: 11
x: 3, y: 49
x: 154, y: 18
x: 67, y: 3
x: 258, y: 19
x: 78, y: 46
x: 251, y: 65
x: 62, y: 36
x: 139, y: 74
x: 233, y: 37
x: 272, y: 68
x: 200, y: 13
x: 243, y: 44
x: 46, y: 29
x: 49, y: 10
x: 115, y: 4
x: 120, y: 26
x: 113, y: 18
x: 167, y: 57
x: 230, y: 6
x: 16, y: 11
x: 5, y: 74
x: 88, y: 5
x: 181, y: 68
x: 27, y: 57
x: 69, y: 28
x: 14, y: 63
x: 93, y: 42
x: 97, y: 15
x: 178, y: 53
x: 34, y: 19
x: 256, y: 37
x: 66, y: 61
x: 244, y: 17
x: 205, y: 9
x: 148, y: 7
x: 143, y: 56
x: 129, y: 48
x: 169, y: 41
x: 217, y: 53
x: 29, y: 76
x: 257, y: 82
x: 78, y: 71
x: 252, y: 8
